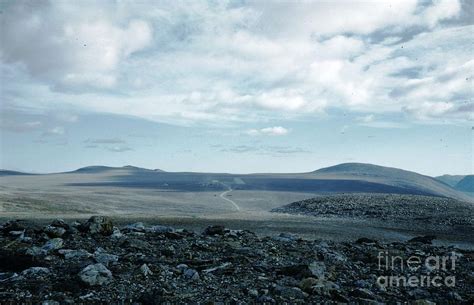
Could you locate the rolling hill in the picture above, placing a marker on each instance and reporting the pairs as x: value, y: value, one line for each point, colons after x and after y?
x: 100, y: 169
x: 342, y: 178
x: 466, y: 184
x: 450, y: 180
x: 4, y: 172
x: 411, y: 182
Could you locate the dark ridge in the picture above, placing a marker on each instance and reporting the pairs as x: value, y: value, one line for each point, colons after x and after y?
x: 4, y: 172
x: 100, y: 168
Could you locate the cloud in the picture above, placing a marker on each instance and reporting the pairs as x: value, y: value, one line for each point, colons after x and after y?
x: 441, y: 10
x: 240, y: 149
x: 367, y: 118
x: 105, y: 141
x: 270, y: 131
x: 265, y: 149
x: 118, y: 149
x: 108, y: 144
x: 69, y: 50
x: 185, y: 62
x: 15, y: 126
x: 55, y: 131
x: 371, y: 121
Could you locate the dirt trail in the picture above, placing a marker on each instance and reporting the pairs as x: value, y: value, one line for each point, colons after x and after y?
x: 223, y: 194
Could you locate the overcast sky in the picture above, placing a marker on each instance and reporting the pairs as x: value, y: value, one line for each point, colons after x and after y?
x: 237, y: 86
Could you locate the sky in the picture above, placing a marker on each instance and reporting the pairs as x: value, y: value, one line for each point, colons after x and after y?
x: 237, y: 86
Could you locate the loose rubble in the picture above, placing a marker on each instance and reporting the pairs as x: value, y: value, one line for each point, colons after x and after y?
x: 95, y: 262
x: 387, y: 207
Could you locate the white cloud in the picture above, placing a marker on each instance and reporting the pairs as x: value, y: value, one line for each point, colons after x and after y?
x: 367, y: 118
x: 71, y: 50
x: 269, y: 131
x: 15, y: 126
x: 441, y: 10
x: 118, y: 149
x: 183, y: 62
x: 55, y: 131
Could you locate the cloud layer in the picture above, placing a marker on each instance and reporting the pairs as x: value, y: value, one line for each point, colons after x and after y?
x: 184, y: 62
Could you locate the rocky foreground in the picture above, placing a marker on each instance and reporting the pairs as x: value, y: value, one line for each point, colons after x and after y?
x: 96, y: 262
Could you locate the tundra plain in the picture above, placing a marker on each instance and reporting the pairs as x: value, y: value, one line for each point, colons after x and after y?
x: 196, y: 200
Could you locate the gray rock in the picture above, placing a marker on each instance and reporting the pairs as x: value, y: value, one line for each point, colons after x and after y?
x: 75, y: 254
x: 19, y: 234
x: 191, y: 274
x: 59, y: 223
x: 6, y: 277
x: 95, y: 275
x: 253, y: 293
x: 54, y: 231
x: 35, y: 271
x: 317, y: 269
x: 53, y: 244
x: 116, y: 234
x: 181, y: 268
x: 98, y: 225
x: 104, y: 258
x: 145, y: 270
x: 36, y: 251
x: 135, y: 227
x: 160, y: 229
x: 362, y: 284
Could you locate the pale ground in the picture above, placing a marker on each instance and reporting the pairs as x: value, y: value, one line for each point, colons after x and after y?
x: 42, y: 198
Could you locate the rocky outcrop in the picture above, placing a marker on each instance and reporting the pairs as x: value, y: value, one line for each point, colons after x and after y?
x: 393, y: 208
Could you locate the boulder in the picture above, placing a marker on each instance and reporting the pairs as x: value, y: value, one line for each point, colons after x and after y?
x: 53, y: 232
x: 98, y: 225
x: 95, y: 275
x: 59, y: 223
x: 214, y: 230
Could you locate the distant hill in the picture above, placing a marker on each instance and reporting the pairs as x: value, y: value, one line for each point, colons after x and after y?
x: 450, y: 180
x: 410, y: 181
x: 101, y: 169
x: 466, y: 184
x: 342, y: 178
x: 4, y: 172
